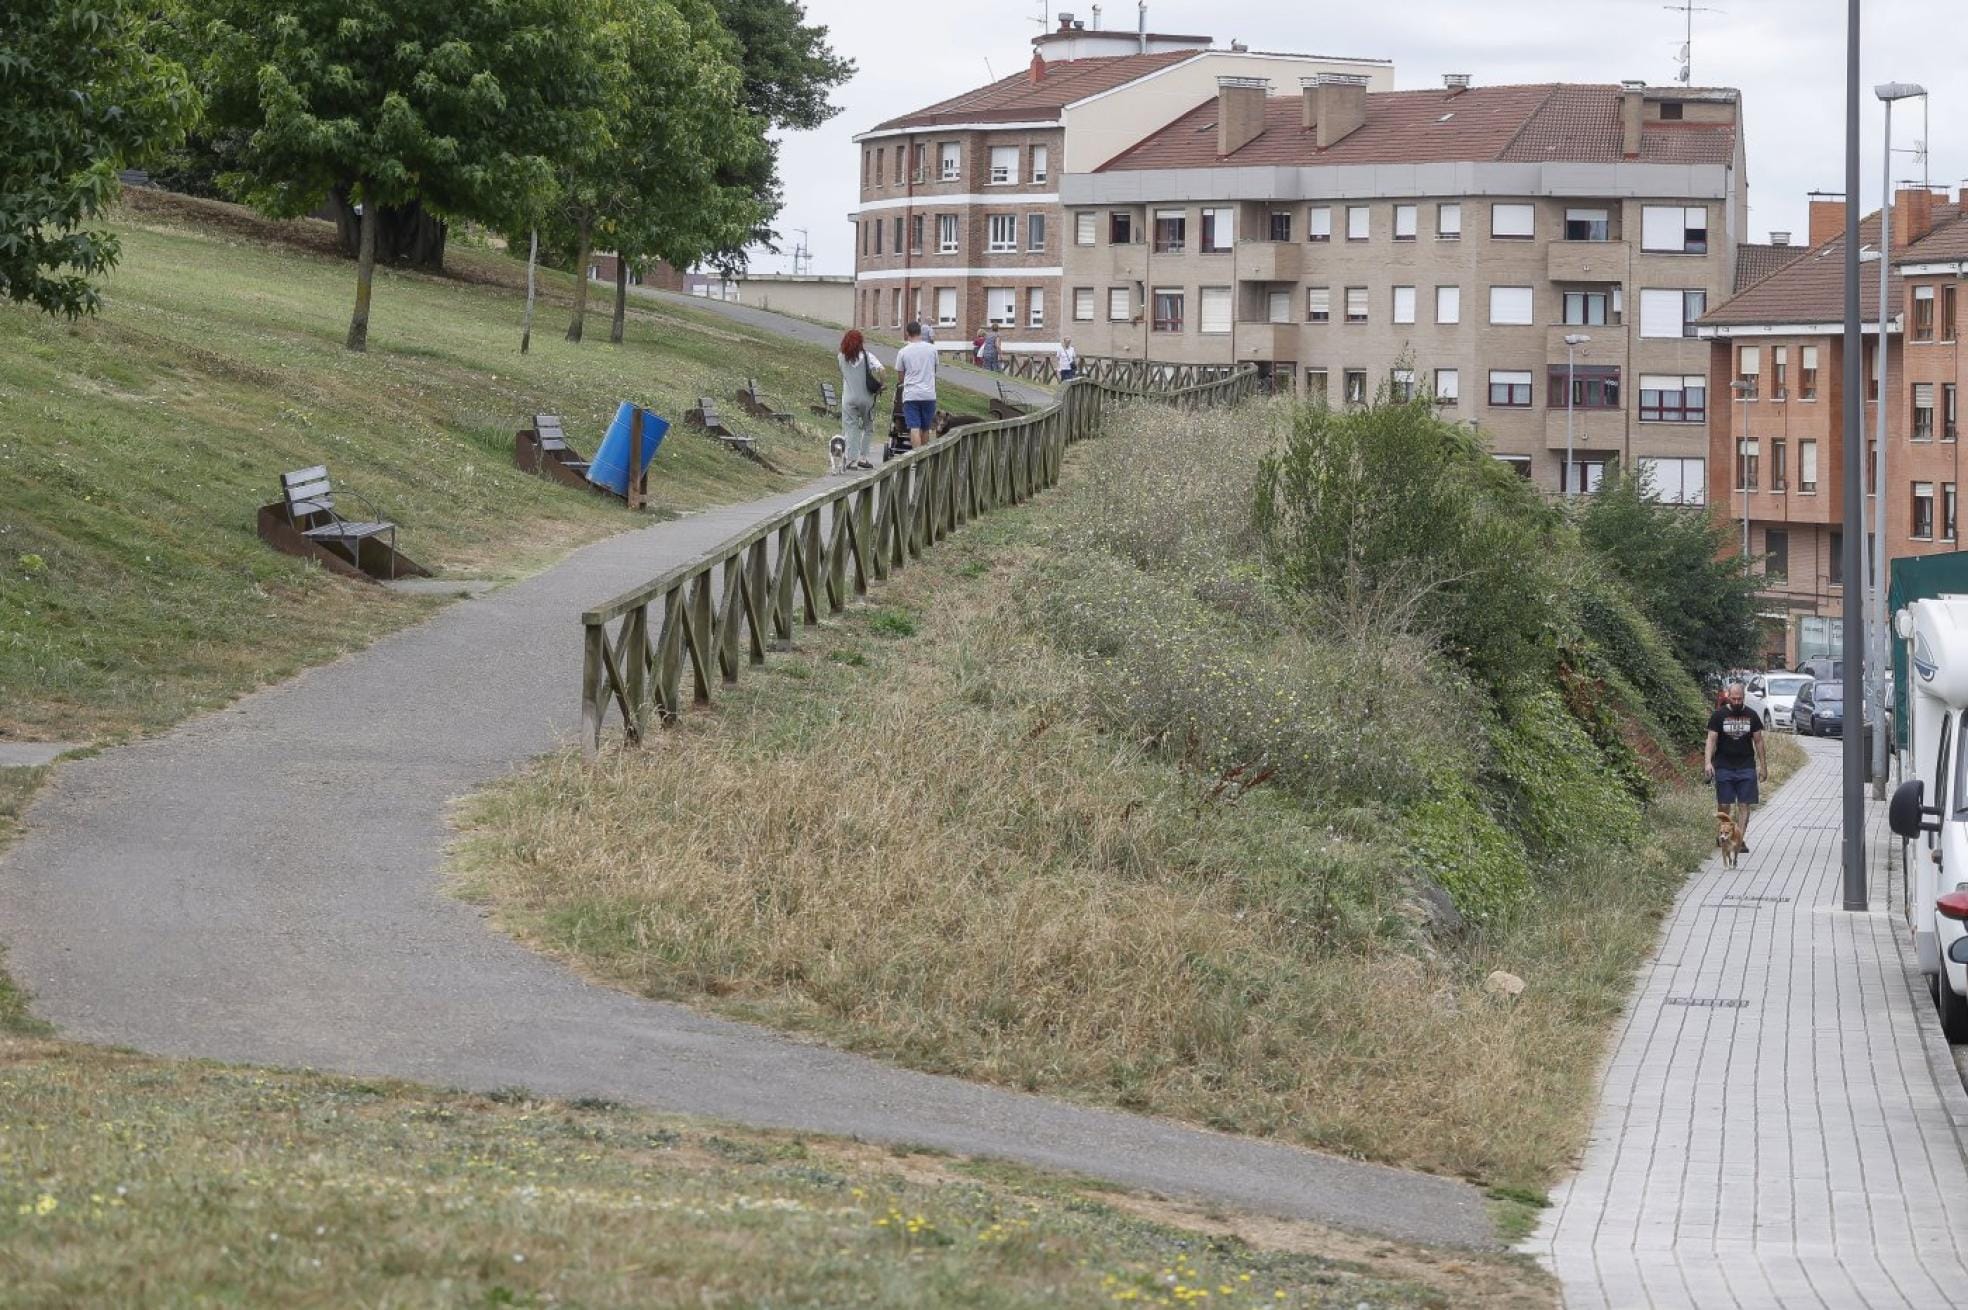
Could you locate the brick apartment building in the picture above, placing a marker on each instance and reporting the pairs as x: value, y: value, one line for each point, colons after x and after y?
x: 959, y: 219
x: 1445, y: 241
x: 1782, y: 338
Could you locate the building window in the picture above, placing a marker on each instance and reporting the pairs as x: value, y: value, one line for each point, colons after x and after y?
x: 1404, y: 304
x: 921, y: 169
x: 1401, y: 385
x: 880, y: 155
x: 1035, y: 231
x: 1085, y: 224
x: 1872, y: 468
x: 1168, y: 309
x: 1674, y: 229
x: 1277, y: 305
x: 1807, y: 373
x: 1355, y: 380
x: 1807, y: 466
x: 1674, y: 481
x: 1923, y: 511
x: 1586, y: 308
x: 1779, y: 372
x: 1215, y: 312
x: 1001, y: 306
x: 1358, y: 222
x: 950, y: 153
x: 1947, y: 511
x: 946, y: 234
x: 1512, y: 222
x: 1405, y: 219
x: 1779, y: 466
x: 879, y: 227
x: 1518, y: 464
x: 915, y: 308
x: 1749, y: 370
x: 1041, y: 164
x: 1673, y: 398
x: 1587, y: 474
x: 915, y: 234
x: 1947, y: 313
x: 1315, y: 385
x: 946, y: 307
x: 1747, y: 459
x: 1448, y: 386
x: 1448, y: 304
x: 898, y: 234
x: 1318, y: 223
x: 1218, y: 232
x: 1281, y: 225
x: 1035, y: 307
x: 1671, y: 111
x: 1171, y: 231
x: 1836, y: 573
x: 1356, y: 304
x: 1667, y: 313
x: 1120, y: 305
x: 1083, y: 304
x: 1923, y: 313
x: 1004, y: 165
x: 1003, y: 237
x: 1511, y: 305
x: 867, y: 164
x: 1923, y: 411
x: 1510, y: 389
x: 1949, y: 429
x: 895, y: 306
x: 1318, y: 304
x: 1776, y: 555
x: 1594, y: 386
x: 1448, y: 221
x: 1588, y: 225
x: 1120, y: 228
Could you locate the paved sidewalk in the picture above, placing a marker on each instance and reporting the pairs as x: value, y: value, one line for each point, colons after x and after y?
x: 1780, y: 1123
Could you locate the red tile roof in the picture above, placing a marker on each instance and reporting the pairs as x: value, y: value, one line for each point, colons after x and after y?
x: 1948, y: 240
x: 1018, y: 99
x: 1756, y: 262
x: 1555, y: 121
x: 1811, y: 288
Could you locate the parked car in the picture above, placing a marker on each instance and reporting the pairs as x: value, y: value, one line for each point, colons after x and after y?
x: 1823, y: 668
x: 1773, y: 694
x: 1819, y: 710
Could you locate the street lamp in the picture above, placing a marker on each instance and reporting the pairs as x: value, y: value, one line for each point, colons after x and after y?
x: 1888, y: 92
x: 1573, y: 340
x: 1743, y: 390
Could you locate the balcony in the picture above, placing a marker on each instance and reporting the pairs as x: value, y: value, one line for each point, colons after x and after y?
x: 1270, y: 261
x: 1267, y: 341
x: 1586, y: 261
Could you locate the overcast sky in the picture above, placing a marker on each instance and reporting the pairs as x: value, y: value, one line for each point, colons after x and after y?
x: 1787, y: 56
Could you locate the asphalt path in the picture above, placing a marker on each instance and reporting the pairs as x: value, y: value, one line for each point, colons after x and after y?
x: 819, y: 334
x: 263, y: 885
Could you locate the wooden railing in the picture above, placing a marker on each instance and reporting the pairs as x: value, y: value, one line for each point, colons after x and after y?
x: 712, y: 615
x: 1129, y: 374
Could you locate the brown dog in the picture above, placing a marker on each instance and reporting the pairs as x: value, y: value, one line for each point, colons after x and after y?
x: 1728, y: 837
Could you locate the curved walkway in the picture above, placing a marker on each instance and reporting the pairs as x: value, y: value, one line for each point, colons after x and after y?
x: 262, y: 885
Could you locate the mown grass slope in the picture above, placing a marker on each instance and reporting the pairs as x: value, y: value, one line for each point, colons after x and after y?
x: 135, y: 448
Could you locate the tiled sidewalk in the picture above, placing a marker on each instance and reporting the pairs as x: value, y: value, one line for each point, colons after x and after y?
x: 1792, y: 1137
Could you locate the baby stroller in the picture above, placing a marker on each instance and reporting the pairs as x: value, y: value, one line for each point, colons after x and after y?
x: 898, y: 431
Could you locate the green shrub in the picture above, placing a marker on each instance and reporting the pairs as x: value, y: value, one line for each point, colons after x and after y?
x: 1551, y: 779
x: 1458, y: 845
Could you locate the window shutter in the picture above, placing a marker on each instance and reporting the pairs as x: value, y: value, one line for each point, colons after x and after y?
x: 1923, y: 395
x: 1807, y: 461
x: 1216, y: 310
x: 1083, y: 229
x: 1660, y: 313
x: 1448, y: 384
x: 1810, y: 357
x: 1448, y: 304
x: 1404, y: 220
x: 1510, y: 305
x: 1279, y: 306
x: 1357, y: 223
x: 1511, y: 220
x: 1448, y: 221
x: 1318, y: 300
x: 1404, y: 304
x: 1318, y: 223
x: 1663, y: 227
x: 1752, y: 360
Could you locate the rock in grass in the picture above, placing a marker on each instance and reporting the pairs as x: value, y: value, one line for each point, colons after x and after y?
x: 1506, y: 985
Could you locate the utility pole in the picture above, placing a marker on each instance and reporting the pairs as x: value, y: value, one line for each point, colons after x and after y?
x: 1853, y: 743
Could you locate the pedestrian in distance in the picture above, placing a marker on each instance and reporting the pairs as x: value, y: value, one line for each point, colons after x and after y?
x: 860, y: 384
x: 915, y: 365
x: 977, y: 348
x: 1734, y: 758
x: 993, y: 347
x: 1067, y: 361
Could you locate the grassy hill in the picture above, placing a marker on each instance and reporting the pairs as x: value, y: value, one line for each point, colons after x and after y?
x: 135, y: 448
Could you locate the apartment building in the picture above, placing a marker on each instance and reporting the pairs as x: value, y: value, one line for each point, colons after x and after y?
x: 1440, y: 241
x: 1777, y: 370
x: 959, y: 220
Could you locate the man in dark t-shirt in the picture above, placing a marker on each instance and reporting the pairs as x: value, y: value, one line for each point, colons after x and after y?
x: 1734, y: 756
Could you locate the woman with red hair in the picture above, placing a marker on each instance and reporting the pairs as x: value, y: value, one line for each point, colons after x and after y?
x: 860, y: 382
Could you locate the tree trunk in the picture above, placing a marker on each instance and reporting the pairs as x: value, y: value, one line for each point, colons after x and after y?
x: 405, y: 234
x: 365, y: 278
x: 532, y: 263
x: 583, y: 251
x: 621, y: 298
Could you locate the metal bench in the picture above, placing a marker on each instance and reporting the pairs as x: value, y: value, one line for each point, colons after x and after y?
x: 305, y: 522
x: 830, y: 405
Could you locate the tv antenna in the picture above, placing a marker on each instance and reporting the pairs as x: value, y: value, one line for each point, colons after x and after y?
x: 1044, y: 20
x: 802, y: 256
x: 1688, y: 9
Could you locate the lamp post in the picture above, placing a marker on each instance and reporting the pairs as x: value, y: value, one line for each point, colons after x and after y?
x: 1573, y: 340
x: 1742, y: 391
x: 1888, y: 92
x: 1852, y: 792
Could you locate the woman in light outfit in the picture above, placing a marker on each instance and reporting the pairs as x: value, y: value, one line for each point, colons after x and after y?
x: 857, y: 363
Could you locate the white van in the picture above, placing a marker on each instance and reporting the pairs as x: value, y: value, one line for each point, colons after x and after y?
x: 1930, y: 809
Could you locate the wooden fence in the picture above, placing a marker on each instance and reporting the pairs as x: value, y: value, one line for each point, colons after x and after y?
x: 712, y: 615
x: 1128, y: 374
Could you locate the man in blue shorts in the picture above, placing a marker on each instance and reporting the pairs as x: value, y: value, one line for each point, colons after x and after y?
x: 916, y: 364
x: 1734, y: 757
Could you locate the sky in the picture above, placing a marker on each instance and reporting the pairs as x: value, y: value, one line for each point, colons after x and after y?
x: 1786, y: 56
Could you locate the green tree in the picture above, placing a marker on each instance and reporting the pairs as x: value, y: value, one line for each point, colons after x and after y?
x: 1676, y: 562
x: 456, y: 109
x: 82, y: 94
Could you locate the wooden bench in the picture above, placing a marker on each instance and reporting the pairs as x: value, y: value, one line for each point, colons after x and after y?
x: 706, y: 416
x: 305, y: 522
x: 753, y: 402
x: 1003, y: 406
x: 830, y: 405
x: 543, y: 449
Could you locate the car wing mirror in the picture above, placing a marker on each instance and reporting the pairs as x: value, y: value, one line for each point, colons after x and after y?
x: 1909, y: 815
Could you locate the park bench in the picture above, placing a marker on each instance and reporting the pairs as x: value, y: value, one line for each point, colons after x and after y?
x: 830, y: 405
x: 305, y: 522
x: 1003, y: 406
x: 706, y: 416
x: 753, y: 402
x: 543, y: 449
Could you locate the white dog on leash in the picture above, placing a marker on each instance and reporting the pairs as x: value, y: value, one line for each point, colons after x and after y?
x: 837, y: 455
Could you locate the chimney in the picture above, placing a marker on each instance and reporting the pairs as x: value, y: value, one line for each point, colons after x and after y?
x: 1913, y: 216
x: 1065, y: 22
x: 1827, y: 219
x: 1141, y: 25
x: 1633, y: 102
x: 1096, y: 18
x: 1335, y: 104
x: 1036, y: 73
x: 1779, y: 238
x: 1239, y: 112
x: 1455, y: 83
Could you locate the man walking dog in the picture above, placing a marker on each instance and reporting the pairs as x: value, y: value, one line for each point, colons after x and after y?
x: 1734, y: 758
